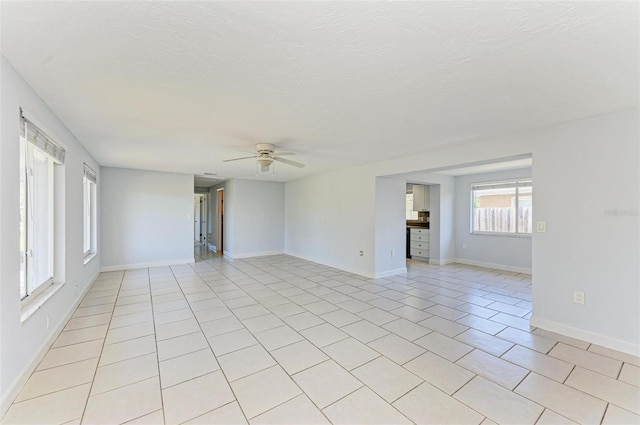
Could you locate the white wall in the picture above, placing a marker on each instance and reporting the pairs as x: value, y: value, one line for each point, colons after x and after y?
x: 447, y: 219
x: 254, y: 218
x: 434, y: 225
x: 22, y: 344
x: 505, y: 252
x: 581, y: 168
x: 330, y: 218
x: 147, y: 218
x: 390, y: 213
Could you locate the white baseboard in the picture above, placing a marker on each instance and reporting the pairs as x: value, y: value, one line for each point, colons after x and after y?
x: 380, y: 275
x: 492, y: 266
x: 16, y: 386
x: 442, y: 262
x: 252, y: 254
x: 588, y: 336
x: 145, y: 265
x: 346, y: 269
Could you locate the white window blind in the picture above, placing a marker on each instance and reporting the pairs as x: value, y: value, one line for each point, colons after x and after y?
x: 38, y: 138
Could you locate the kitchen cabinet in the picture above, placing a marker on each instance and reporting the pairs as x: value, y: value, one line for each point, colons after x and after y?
x: 419, y: 243
x: 421, y: 197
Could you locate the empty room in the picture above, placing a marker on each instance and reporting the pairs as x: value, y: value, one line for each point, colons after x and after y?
x: 320, y: 212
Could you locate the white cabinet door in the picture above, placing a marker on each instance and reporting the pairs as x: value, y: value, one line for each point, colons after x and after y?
x: 418, y: 197
x: 427, y: 198
x: 421, y: 197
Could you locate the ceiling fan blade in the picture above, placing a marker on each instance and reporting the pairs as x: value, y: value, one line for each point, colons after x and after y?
x: 283, y: 153
x: 288, y: 162
x: 238, y: 159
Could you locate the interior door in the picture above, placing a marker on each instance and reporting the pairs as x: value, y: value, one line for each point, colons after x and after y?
x: 197, y: 217
x: 220, y: 241
x: 203, y: 219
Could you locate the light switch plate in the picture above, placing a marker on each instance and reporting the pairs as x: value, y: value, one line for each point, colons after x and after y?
x: 541, y: 226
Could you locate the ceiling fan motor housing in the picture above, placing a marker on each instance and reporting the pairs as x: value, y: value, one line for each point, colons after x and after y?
x: 266, y: 155
x: 265, y: 148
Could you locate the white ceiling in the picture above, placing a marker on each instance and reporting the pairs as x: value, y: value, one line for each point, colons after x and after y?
x: 180, y: 86
x: 206, y: 181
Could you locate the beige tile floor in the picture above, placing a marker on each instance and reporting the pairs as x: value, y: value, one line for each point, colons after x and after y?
x: 279, y: 340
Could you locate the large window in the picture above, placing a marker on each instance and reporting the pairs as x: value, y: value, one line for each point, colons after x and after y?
x: 38, y: 158
x: 410, y: 213
x: 502, y: 207
x: 89, y: 214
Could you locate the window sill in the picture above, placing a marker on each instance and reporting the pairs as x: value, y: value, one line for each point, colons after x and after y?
x: 88, y: 258
x: 508, y: 235
x: 30, y: 306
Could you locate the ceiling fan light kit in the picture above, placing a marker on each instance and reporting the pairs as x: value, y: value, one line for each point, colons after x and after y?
x: 266, y: 155
x: 264, y: 164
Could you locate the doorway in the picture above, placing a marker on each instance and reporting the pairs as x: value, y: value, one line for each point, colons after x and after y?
x: 220, y: 220
x: 200, y: 219
x: 421, y: 239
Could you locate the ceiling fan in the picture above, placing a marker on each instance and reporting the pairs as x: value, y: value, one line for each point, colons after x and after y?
x: 265, y: 155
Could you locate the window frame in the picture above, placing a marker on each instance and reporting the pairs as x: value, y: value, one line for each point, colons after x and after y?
x: 517, y: 184
x: 27, y: 256
x: 89, y: 216
x: 410, y: 210
x: 34, y: 133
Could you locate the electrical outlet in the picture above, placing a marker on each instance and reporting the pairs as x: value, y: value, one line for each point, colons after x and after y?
x: 541, y: 226
x: 362, y: 253
x: 393, y: 253
x: 578, y: 297
x: 464, y: 246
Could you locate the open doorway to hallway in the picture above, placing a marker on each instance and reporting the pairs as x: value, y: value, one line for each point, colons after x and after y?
x: 200, y: 202
x: 212, y: 241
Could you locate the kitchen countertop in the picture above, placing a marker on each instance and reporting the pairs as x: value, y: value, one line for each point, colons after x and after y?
x: 418, y: 226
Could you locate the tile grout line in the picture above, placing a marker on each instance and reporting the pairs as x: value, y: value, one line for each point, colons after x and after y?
x: 604, y: 414
x: 155, y: 337
x: 302, y: 392
x: 208, y: 343
x: 84, y: 410
x: 52, y: 392
x: 247, y: 269
x: 620, y: 371
x: 401, y: 365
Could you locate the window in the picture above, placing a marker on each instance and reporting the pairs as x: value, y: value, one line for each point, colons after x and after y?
x: 89, y: 213
x: 502, y: 207
x: 410, y: 213
x: 38, y: 158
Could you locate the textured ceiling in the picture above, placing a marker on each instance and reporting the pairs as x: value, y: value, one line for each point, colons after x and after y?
x: 180, y: 86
